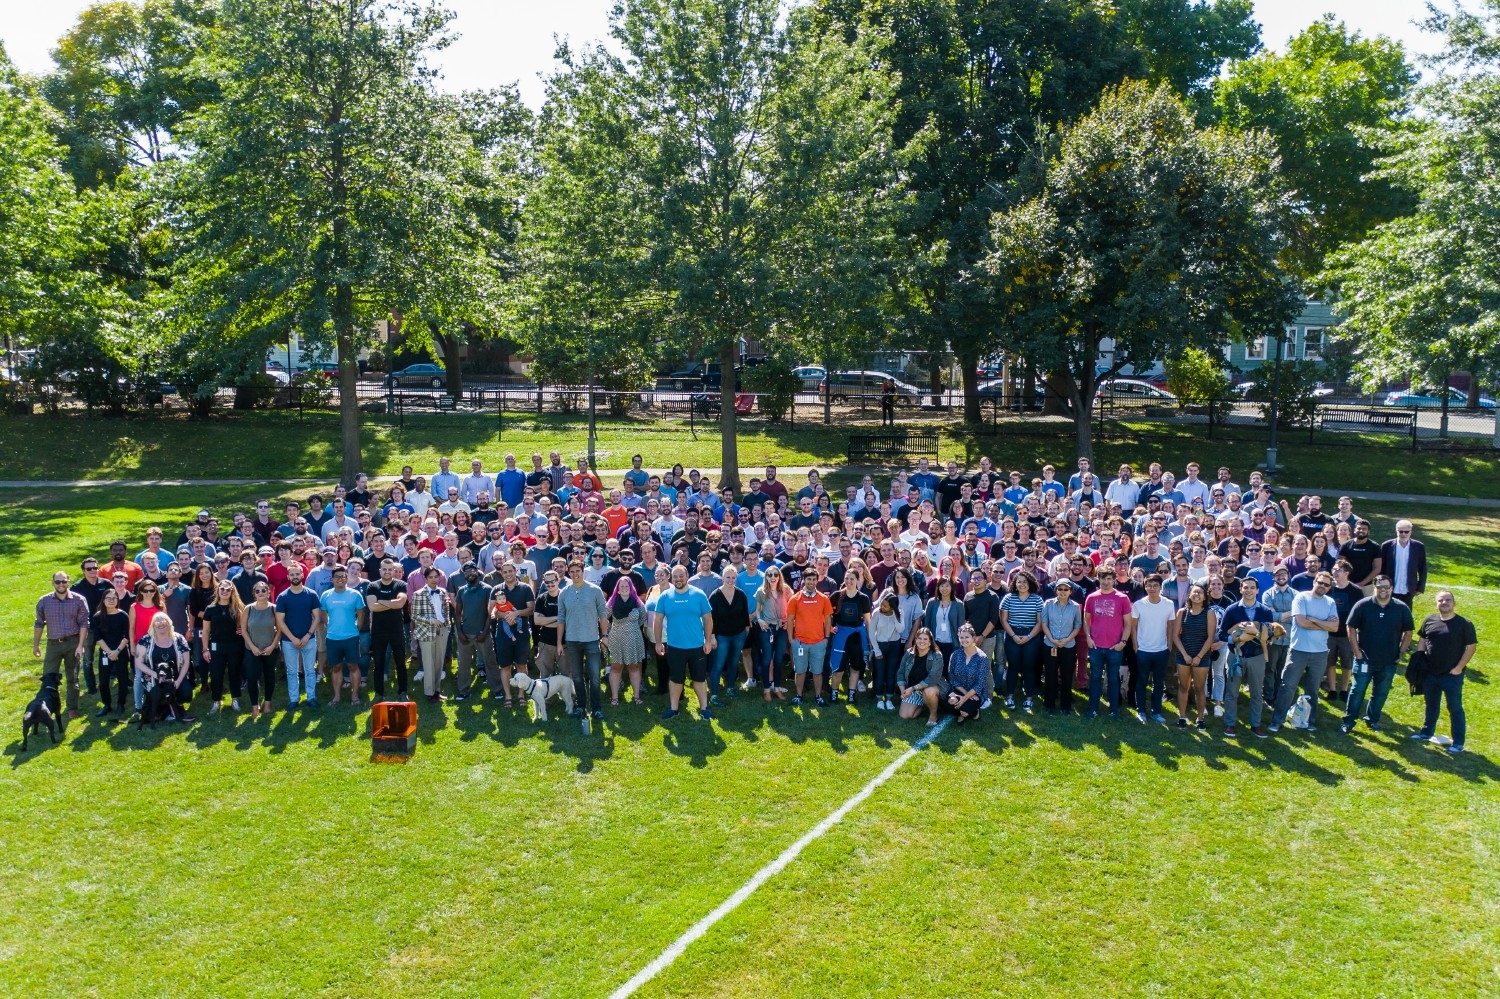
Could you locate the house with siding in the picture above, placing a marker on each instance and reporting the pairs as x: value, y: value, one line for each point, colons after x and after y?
x: 1304, y: 340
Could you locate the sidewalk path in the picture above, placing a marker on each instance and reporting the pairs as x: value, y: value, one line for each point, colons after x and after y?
x: 790, y: 475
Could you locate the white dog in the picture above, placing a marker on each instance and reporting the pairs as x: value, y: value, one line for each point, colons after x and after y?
x: 540, y: 690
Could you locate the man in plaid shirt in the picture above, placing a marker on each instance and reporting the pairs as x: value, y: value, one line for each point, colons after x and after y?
x: 64, y: 615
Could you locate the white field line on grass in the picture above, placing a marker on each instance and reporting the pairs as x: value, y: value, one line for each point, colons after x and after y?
x: 702, y: 926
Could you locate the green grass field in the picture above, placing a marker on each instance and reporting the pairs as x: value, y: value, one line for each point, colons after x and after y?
x: 276, y: 445
x: 1025, y: 856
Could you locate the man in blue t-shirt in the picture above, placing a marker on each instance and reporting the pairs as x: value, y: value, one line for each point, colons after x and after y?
x: 512, y: 483
x: 341, y: 608
x: 1246, y: 627
x: 684, y: 635
x: 1314, y: 617
x: 297, y: 614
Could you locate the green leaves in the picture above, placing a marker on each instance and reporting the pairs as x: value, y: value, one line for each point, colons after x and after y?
x: 1145, y: 230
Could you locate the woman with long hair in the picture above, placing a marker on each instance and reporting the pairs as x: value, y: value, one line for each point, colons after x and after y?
x: 258, y: 629
x: 626, y: 639
x: 223, y: 645
x: 770, y: 616
x: 147, y: 604
x: 463, y: 527
x: 1193, y: 634
x: 111, y: 628
x: 1021, y: 620
x: 162, y: 657
x: 943, y: 616
x: 885, y: 637
x: 920, y: 681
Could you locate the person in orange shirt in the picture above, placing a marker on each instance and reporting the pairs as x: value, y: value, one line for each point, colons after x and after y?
x: 616, y: 515
x: 808, y: 613
x: 585, y: 481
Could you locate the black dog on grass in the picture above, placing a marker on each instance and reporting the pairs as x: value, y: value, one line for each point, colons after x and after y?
x: 157, y: 704
x: 44, y: 709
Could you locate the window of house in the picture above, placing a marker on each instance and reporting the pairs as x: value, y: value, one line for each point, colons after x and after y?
x: 1255, y: 349
x: 1312, y: 344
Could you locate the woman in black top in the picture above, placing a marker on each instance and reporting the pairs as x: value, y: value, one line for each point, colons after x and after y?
x: 920, y: 681
x: 223, y: 646
x: 111, y: 627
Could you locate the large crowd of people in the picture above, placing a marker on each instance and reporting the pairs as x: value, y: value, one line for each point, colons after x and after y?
x: 1165, y: 600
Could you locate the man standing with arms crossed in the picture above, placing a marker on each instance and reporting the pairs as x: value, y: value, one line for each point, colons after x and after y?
x: 684, y: 636
x: 1314, y: 617
x: 582, y: 620
x: 1379, y: 629
x: 809, y: 615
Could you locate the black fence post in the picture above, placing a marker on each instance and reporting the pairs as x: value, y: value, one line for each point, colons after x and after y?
x: 499, y: 412
x: 1416, y: 416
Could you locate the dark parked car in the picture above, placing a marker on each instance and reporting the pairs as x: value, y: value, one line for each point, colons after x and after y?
x: 417, y: 376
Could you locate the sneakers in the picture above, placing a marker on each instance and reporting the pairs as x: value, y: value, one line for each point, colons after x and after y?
x: 417, y: 675
x: 1456, y: 748
x: 1420, y: 737
x: 669, y: 714
x: 101, y: 712
x: 234, y: 705
x: 213, y: 708
x: 1346, y: 728
x: 986, y: 705
x: 1159, y: 718
x: 1182, y: 723
x: 1274, y: 729
x: 1140, y: 716
x: 1091, y: 714
x: 749, y: 684
x: 1202, y: 722
x: 1010, y: 704
x: 1027, y: 705
x: 822, y: 703
x: 463, y: 695
x: 705, y: 715
x: 598, y: 715
x: 1259, y: 733
x: 1229, y: 731
x: 797, y: 699
x: 1218, y: 710
x: 714, y: 701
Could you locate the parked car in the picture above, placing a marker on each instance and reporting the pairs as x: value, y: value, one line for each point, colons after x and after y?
x: 812, y: 376
x: 1430, y: 399
x: 713, y: 377
x: 277, y: 375
x: 1134, y: 390
x: 995, y: 390
x: 417, y: 376
x: 865, y: 386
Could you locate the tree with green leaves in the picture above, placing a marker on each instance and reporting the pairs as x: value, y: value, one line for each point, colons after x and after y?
x: 1422, y: 292
x: 126, y: 77
x: 716, y: 181
x: 1329, y: 101
x: 51, y: 296
x: 323, y: 181
x: 981, y: 85
x: 1146, y: 231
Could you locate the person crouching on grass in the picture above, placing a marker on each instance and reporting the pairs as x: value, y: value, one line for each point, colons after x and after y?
x: 919, y: 681
x: 968, y: 675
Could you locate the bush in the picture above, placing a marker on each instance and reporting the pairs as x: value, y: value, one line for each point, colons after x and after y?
x: 775, y: 385
x: 314, y: 389
x: 1195, y: 377
x: 1296, y: 405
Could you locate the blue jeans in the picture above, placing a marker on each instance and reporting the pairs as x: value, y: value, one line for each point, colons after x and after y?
x: 773, y: 644
x: 1151, y: 667
x: 1366, y: 673
x: 307, y: 656
x: 1105, y: 662
x: 726, y: 653
x: 1452, y: 688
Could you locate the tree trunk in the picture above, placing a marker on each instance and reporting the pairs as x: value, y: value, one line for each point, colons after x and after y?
x: 1443, y: 425
x: 970, y: 369
x: 1471, y: 404
x: 729, y: 447
x: 449, y: 346
x: 935, y: 376
x: 343, y: 315
x: 1054, y: 392
x: 1081, y: 393
x: 827, y: 391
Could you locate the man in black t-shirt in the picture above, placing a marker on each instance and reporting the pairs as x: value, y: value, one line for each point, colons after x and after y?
x: 386, y: 600
x: 1363, y: 556
x: 1379, y: 630
x: 1449, y: 641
